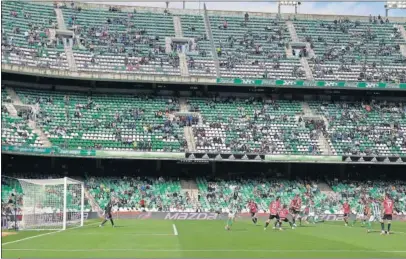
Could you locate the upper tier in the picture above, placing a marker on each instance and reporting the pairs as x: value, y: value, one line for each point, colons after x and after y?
x: 225, y: 44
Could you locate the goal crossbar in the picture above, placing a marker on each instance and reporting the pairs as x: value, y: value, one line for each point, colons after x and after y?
x: 56, y: 181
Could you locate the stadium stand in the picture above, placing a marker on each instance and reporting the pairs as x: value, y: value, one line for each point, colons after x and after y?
x: 159, y: 194
x: 253, y: 126
x: 223, y: 124
x: 216, y: 195
x: 376, y: 128
x: 27, y: 36
x: 112, y: 122
x: 354, y: 50
x: 15, y: 130
x: 250, y: 46
x: 358, y: 190
x: 253, y: 48
x: 135, y: 41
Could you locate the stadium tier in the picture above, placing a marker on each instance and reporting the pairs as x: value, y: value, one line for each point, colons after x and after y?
x: 260, y: 125
x: 159, y: 194
x: 111, y: 122
x: 229, y: 45
x: 354, y: 50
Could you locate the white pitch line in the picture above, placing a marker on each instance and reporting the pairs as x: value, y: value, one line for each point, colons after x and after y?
x: 128, y: 234
x: 41, y: 235
x: 28, y: 238
x: 200, y: 250
x: 175, y: 230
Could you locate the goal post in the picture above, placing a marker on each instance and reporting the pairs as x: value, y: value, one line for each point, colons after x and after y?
x: 52, y: 204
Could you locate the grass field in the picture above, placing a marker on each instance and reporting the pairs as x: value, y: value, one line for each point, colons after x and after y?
x: 199, y: 239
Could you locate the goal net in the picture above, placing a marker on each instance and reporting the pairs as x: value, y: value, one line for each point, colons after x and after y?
x: 51, y: 204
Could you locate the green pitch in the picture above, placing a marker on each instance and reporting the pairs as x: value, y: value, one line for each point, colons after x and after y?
x: 156, y: 238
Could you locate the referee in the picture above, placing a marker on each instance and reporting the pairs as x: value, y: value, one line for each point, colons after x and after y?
x: 107, y: 214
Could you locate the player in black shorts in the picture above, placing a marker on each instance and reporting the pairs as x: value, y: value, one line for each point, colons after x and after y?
x: 294, y: 212
x: 107, y: 214
x: 271, y: 217
x: 387, y: 217
x: 274, y: 211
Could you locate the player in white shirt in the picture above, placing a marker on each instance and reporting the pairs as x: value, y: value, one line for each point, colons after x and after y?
x: 311, y: 218
x: 231, y: 217
x: 375, y: 213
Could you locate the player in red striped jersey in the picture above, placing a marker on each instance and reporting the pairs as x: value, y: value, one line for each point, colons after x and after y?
x: 347, y: 211
x: 283, y: 216
x: 274, y: 208
x: 253, y: 207
x: 295, y: 206
x: 387, y: 213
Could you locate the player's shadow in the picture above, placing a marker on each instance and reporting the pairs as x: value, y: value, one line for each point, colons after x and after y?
x: 115, y: 226
x: 379, y: 232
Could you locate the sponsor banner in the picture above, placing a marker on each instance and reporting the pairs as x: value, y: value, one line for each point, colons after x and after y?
x: 294, y: 158
x: 193, y: 216
x: 92, y: 153
x: 296, y: 83
x: 49, y: 151
x: 330, y: 84
x: 171, y: 215
x: 73, y: 152
x: 26, y: 149
x: 134, y: 154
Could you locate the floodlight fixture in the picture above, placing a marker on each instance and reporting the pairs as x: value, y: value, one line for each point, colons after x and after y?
x: 394, y: 5
x: 288, y: 3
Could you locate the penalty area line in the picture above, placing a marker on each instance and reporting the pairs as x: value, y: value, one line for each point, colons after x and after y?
x: 125, y: 234
x: 28, y: 238
x: 200, y: 250
x: 45, y: 234
x: 175, y: 230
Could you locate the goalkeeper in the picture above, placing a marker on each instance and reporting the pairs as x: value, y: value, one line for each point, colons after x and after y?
x: 107, y: 214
